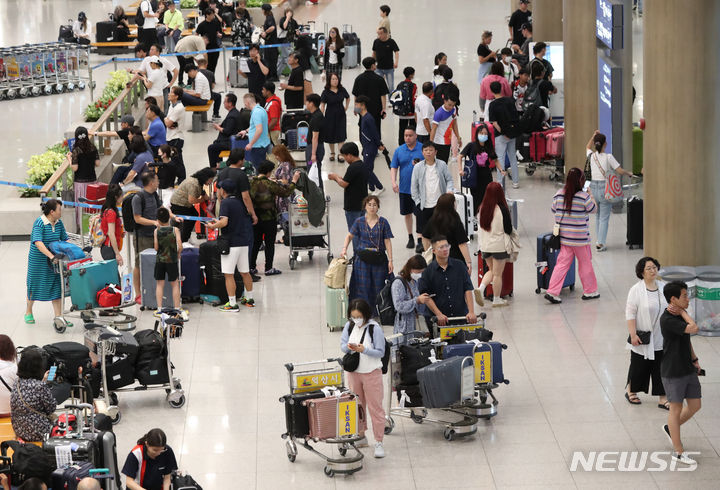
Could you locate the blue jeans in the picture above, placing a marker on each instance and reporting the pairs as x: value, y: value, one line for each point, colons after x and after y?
x: 389, y: 76
x: 369, y: 161
x: 350, y: 217
x: 171, y: 41
x: 257, y: 155
x: 505, y: 148
x: 602, y: 220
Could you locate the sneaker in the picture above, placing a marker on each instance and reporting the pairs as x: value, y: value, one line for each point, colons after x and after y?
x: 591, y: 295
x: 666, y: 430
x: 216, y: 119
x: 273, y: 272
x: 553, y: 299
x: 184, y: 315
x: 253, y: 272
x: 250, y: 303
x: 679, y: 457
x: 411, y: 242
x: 362, y: 442
x: 515, y: 185
x: 380, y: 451
x: 255, y: 277
x: 479, y: 296
x: 497, y: 302
x: 228, y: 307
x: 602, y: 248
x: 419, y: 247
x: 157, y: 313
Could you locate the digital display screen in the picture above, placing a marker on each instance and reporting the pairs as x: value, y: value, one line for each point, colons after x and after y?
x: 605, y: 102
x: 609, y: 23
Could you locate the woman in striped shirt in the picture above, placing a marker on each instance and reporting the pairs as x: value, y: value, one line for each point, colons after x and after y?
x: 572, y: 206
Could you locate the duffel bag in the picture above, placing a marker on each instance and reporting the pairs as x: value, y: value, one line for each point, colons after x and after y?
x: 69, y: 356
x: 28, y: 461
x: 412, y: 358
x: 109, y: 296
x: 150, y: 346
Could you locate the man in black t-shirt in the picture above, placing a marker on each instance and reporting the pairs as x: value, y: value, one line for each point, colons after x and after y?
x: 539, y: 50
x: 315, y: 149
x: 270, y: 35
x: 126, y: 122
x: 354, y: 182
x: 295, y: 87
x: 504, y: 118
x: 258, y: 73
x: 373, y: 86
x: 212, y: 29
x: 680, y: 366
x: 384, y: 49
x: 521, y: 16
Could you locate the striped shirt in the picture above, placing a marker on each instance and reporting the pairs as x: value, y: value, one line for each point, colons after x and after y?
x: 574, y: 225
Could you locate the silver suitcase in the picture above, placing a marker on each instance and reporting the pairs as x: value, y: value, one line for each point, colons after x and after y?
x: 447, y: 383
x: 464, y: 206
x: 513, y: 205
x: 147, y: 282
x: 235, y: 79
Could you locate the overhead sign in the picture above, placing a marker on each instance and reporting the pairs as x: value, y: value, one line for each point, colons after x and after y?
x: 609, y: 23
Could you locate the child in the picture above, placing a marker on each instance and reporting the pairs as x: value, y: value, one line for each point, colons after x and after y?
x: 168, y: 246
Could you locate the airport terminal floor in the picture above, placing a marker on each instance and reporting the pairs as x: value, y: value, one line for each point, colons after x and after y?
x: 567, y: 363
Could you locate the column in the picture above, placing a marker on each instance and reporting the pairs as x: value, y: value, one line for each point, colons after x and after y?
x: 682, y: 175
x: 581, y: 114
x: 548, y: 20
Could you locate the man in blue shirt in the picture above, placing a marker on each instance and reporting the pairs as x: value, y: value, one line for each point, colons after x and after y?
x: 259, y: 145
x: 370, y: 141
x: 404, y: 158
x: 156, y: 132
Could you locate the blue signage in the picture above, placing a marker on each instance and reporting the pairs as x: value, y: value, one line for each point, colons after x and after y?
x: 609, y: 23
x: 610, y: 104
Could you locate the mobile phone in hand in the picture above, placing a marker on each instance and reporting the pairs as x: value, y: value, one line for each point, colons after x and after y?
x: 51, y: 374
x: 586, y: 186
x: 701, y: 372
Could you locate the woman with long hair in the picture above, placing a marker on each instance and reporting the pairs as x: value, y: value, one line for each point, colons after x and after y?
x: 283, y: 171
x: 446, y: 221
x: 122, y: 28
x: 334, y: 102
x: 83, y: 158
x: 334, y: 54
x: 495, y: 223
x: 496, y: 74
x: 111, y: 224
x: 81, y: 29
x: 572, y: 206
x: 476, y: 163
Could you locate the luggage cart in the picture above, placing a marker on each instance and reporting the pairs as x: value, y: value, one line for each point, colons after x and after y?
x: 103, y: 339
x: 3, y: 74
x: 555, y: 166
x: 301, y: 232
x: 326, y: 373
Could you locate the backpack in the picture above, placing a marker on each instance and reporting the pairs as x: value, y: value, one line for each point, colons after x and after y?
x: 532, y: 95
x: 388, y: 346
x: 127, y: 212
x: 184, y: 481
x: 97, y: 236
x: 28, y: 461
x: 532, y: 119
x: 336, y: 273
x: 401, y: 99
x: 384, y: 303
x: 139, y: 18
x: 69, y: 356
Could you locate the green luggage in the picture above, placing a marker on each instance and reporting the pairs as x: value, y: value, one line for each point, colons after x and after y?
x: 637, y: 153
x: 336, y: 304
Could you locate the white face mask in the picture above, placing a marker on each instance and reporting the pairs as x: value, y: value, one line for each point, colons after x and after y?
x: 357, y: 321
x: 416, y: 275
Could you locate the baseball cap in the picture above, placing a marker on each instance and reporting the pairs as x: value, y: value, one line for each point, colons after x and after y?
x: 227, y: 185
x: 128, y: 119
x: 524, y: 1
x: 153, y: 59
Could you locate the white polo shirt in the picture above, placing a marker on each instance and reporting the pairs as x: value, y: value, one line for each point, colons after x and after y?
x: 202, y: 86
x: 176, y: 113
x: 150, y: 22
x: 424, y: 110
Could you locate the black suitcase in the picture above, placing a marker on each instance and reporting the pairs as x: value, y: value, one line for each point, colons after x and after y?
x: 68, y: 478
x: 69, y: 356
x: 296, y: 415
x: 105, y: 31
x: 84, y: 448
x: 212, y: 279
x: 549, y: 257
x: 635, y: 222
x: 412, y: 358
x: 65, y: 34
x: 290, y: 119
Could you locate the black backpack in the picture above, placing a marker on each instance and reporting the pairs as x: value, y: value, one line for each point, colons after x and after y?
x: 532, y: 119
x: 404, y: 106
x: 28, y: 461
x: 150, y: 346
x: 69, y: 356
x: 139, y: 18
x: 388, y: 346
x: 184, y: 481
x: 127, y: 212
x: 384, y: 303
x: 532, y: 95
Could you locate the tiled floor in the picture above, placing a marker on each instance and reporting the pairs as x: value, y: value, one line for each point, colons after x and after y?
x: 567, y: 364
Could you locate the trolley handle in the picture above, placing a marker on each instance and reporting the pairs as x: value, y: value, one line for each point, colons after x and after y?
x: 291, y: 366
x: 482, y: 316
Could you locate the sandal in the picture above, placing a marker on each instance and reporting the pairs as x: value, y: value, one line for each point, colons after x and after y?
x: 341, y: 159
x: 632, y: 398
x: 29, y: 319
x: 664, y: 406
x: 332, y: 157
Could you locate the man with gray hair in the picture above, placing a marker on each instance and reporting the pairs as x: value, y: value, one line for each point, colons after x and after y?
x: 89, y: 484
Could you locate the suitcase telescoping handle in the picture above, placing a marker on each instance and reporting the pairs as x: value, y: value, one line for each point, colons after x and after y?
x: 80, y: 407
x: 452, y: 319
x: 291, y: 366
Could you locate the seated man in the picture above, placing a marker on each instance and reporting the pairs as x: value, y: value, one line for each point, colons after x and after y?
x: 217, y: 99
x: 447, y: 282
x: 229, y: 127
x: 200, y: 92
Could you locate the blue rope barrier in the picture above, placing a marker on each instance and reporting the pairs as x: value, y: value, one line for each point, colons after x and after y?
x: 74, y: 204
x: 17, y: 184
x: 191, y: 53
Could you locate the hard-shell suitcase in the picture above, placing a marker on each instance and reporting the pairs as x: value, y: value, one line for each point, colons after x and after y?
x: 538, y: 145
x: 147, y: 282
x: 84, y: 448
x: 108, y: 445
x: 546, y: 259
x: 191, y: 280
x: 513, y: 207
x: 296, y: 413
x: 465, y: 208
x: 554, y: 143
x: 236, y: 80
x: 637, y: 150
x: 352, y: 47
x: 488, y: 363
x: 635, y: 222
x: 324, y: 415
x: 447, y: 383
x: 85, y: 281
x: 68, y: 478
x: 336, y: 304
x: 507, y: 278
x: 105, y: 31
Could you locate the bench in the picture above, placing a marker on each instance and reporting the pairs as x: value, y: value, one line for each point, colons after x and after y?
x: 114, y: 47
x: 199, y: 116
x: 224, y: 154
x: 134, y: 5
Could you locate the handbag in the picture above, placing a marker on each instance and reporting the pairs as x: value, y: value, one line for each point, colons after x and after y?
x: 588, y: 168
x: 553, y: 242
x: 512, y: 245
x: 613, y: 187
x: 644, y: 337
x: 223, y: 245
x: 372, y: 256
x: 351, y: 360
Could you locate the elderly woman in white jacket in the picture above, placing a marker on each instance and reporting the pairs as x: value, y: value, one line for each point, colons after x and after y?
x: 645, y: 304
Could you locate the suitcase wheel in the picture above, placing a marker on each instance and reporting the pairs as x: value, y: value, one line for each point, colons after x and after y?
x: 572, y: 288
x: 537, y: 290
x: 389, y: 425
x: 329, y: 472
x: 529, y: 170
x: 449, y: 434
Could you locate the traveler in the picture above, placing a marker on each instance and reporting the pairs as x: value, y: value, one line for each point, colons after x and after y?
x: 175, y: 124
x: 354, y: 183
x: 236, y: 225
x: 269, y: 33
x: 407, y: 300
x: 371, y: 234
x: 387, y: 53
x: 295, y: 86
x: 372, y: 86
x: 215, y: 96
x: 424, y: 113
x: 147, y: 33
x: 31, y: 401
x: 439, y: 61
x: 111, y: 224
x: 154, y: 51
x: 241, y: 28
x: 409, y: 89
x: 504, y: 118
x: 30, y: 484
x: 143, y: 158
x: 544, y: 86
x: 478, y: 157
x: 496, y: 74
x: 645, y: 304
x: 510, y: 68
x: 363, y: 335
x: 519, y: 88
x: 122, y: 27
x: 43, y: 283
x: 200, y: 92
x: 401, y: 169
x: 571, y: 207
x: 430, y: 179
x: 257, y: 134
x: 264, y: 192
x: 446, y: 89
x: 81, y: 30
x: 8, y: 373
x: 150, y: 464
x: 156, y: 134
x: 444, y: 124
x: 486, y: 56
x: 446, y: 221
x: 384, y: 20
x: 189, y: 44
x: 126, y: 122
x: 273, y: 107
x: 84, y: 158
x: 315, y: 149
x: 680, y: 366
x: 519, y: 18
x: 284, y: 171
x: 370, y: 141
x: 151, y: 101
x: 174, y: 24
x: 447, y: 283
x: 495, y: 223
x: 539, y: 51
x: 521, y: 51
x: 601, y: 166
x: 258, y: 74
x: 188, y: 194
x: 169, y: 170
x: 287, y: 27
x: 89, y: 483
x: 211, y: 28
x: 229, y: 127
x: 334, y: 103
x: 334, y: 54
x: 168, y: 247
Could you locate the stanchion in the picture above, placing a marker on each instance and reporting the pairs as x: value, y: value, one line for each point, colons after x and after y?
x: 224, y: 55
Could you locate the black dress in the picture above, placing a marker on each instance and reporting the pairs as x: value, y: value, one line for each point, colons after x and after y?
x: 335, y: 130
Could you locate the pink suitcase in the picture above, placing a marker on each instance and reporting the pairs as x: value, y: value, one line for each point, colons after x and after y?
x: 323, y: 415
x: 554, y: 143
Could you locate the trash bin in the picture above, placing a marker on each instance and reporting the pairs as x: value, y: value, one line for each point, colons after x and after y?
x: 707, y: 300
x: 686, y: 274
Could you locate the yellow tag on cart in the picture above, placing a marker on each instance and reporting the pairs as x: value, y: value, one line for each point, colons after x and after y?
x: 447, y: 332
x: 483, y: 367
x: 312, y: 382
x: 347, y: 418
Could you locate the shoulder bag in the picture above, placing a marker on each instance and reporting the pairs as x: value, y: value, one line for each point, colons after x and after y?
x: 613, y: 188
x: 373, y: 255
x: 351, y: 360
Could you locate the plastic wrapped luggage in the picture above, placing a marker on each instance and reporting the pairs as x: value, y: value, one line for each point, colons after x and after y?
x: 447, y: 383
x: 507, y: 279
x: 191, y: 280
x: 634, y: 222
x: 68, y: 357
x: 236, y: 80
x: 324, y: 415
x: 85, y: 281
x: 336, y: 303
x: 296, y: 413
x: 465, y: 208
x: 147, y: 282
x: 546, y: 259
x: 555, y: 141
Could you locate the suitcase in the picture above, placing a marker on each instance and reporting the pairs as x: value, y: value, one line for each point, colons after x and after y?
x: 637, y: 150
x: 507, y: 278
x: 352, y: 47
x: 108, y: 447
x: 296, y: 413
x: 538, y: 146
x: 409, y: 396
x: 290, y: 119
x: 68, y: 478
x: 96, y: 192
x: 634, y: 222
x: 302, y: 135
x: 465, y: 208
x: 212, y: 281
x: 336, y: 304
x: 414, y: 357
x: 147, y: 282
x: 554, y: 141
x: 513, y: 207
x: 69, y: 357
x: 191, y: 280
x: 324, y: 415
x: 447, y: 383
x: 85, y: 281
x: 546, y: 260
x: 487, y: 357
x: 85, y: 447
x: 235, y: 79
x: 120, y: 372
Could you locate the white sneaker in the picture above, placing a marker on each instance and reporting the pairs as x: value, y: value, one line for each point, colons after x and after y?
x: 515, y: 185
x: 679, y: 457
x: 497, y: 301
x: 479, y: 296
x: 380, y: 451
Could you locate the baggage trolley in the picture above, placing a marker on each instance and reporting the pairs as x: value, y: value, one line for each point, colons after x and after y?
x: 102, y: 339
x: 301, y: 231
x: 12, y: 84
x: 329, y: 374
x: 555, y: 165
x: 3, y: 74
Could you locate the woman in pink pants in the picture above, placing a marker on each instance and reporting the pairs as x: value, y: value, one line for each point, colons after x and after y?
x: 364, y: 336
x: 572, y: 206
